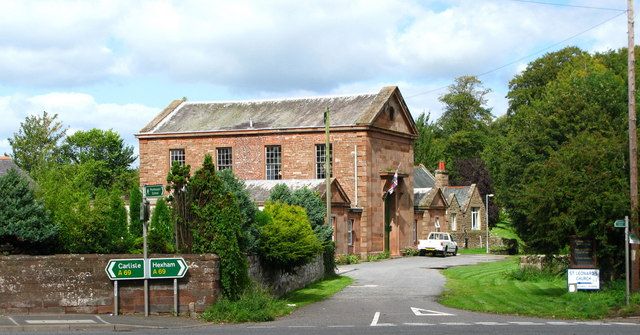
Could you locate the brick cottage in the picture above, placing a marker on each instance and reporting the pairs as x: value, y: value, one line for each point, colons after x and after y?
x: 282, y: 141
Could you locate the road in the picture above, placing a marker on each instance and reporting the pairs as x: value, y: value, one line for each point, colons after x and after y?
x: 392, y: 297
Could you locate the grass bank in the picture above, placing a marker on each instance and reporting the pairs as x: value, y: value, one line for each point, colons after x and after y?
x: 501, y: 287
x: 257, y: 305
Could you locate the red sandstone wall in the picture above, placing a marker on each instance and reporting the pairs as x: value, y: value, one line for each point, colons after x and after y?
x: 79, y: 284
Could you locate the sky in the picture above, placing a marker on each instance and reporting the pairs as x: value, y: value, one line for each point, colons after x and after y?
x: 116, y: 64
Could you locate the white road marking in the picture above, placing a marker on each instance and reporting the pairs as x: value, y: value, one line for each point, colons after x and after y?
x: 12, y: 320
x: 418, y: 324
x: 455, y: 323
x: 625, y: 324
x: 559, y: 323
x: 99, y: 318
x: 342, y: 326
x: 53, y: 322
x: 261, y: 327
x: 527, y: 323
x: 592, y: 323
x: 364, y: 286
x: 374, y: 322
x: 428, y: 312
x: 302, y: 326
x: 491, y: 323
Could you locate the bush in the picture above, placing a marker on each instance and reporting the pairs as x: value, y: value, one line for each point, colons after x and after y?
x: 344, y: 259
x: 410, y: 251
x: 161, y: 236
x: 24, y: 222
x: 287, y: 240
x: 248, y: 209
x: 532, y: 273
x: 135, y: 201
x: 254, y: 305
x: 378, y: 257
x: 217, y: 227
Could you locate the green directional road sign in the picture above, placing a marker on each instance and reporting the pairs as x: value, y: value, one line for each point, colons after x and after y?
x: 153, y: 190
x: 619, y: 224
x: 167, y: 268
x: 125, y: 269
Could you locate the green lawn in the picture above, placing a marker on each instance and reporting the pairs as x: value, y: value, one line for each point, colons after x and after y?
x: 256, y: 305
x: 493, y: 288
x: 472, y: 251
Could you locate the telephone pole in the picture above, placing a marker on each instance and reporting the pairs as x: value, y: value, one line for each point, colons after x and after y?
x: 633, y: 145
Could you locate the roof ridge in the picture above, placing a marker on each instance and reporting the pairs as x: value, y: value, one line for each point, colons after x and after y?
x: 318, y: 97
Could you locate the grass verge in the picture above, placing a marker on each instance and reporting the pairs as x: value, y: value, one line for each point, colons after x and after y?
x: 501, y: 287
x: 472, y: 251
x: 258, y: 305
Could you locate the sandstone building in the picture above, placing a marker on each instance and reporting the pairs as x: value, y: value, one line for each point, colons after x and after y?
x: 283, y: 141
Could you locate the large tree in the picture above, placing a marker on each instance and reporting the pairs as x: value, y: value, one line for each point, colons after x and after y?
x: 36, y: 142
x: 559, y: 164
x: 110, y: 157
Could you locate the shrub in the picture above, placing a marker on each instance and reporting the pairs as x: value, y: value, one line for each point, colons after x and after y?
x: 378, y: 257
x: 410, y: 251
x: 287, y: 240
x: 24, y: 222
x: 135, y: 201
x: 532, y: 273
x: 254, y: 305
x: 217, y: 227
x: 248, y: 209
x: 344, y: 259
x: 161, y: 236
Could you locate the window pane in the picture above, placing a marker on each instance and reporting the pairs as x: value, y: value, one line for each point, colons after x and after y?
x: 321, y: 155
x: 176, y: 155
x: 225, y: 160
x: 274, y: 162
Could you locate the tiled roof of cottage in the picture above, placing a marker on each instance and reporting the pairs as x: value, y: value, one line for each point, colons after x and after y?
x: 419, y: 194
x: 462, y: 194
x: 6, y: 164
x: 422, y: 178
x: 186, y: 116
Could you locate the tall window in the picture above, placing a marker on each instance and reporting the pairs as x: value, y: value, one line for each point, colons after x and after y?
x: 321, y: 156
x: 274, y: 162
x: 437, y: 224
x: 176, y: 155
x: 350, y: 232
x: 225, y: 160
x: 475, y: 218
x: 415, y: 231
x: 454, y: 222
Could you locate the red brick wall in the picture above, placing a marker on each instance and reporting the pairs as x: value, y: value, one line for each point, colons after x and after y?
x: 79, y: 284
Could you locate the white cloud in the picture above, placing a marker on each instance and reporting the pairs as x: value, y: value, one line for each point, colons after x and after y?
x: 77, y: 111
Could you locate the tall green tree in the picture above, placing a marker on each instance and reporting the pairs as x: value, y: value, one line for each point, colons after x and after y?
x: 25, y: 224
x: 37, y: 141
x: 135, y: 202
x: 161, y: 229
x: 427, y: 149
x: 180, y: 200
x: 105, y: 149
x: 248, y: 210
x: 217, y: 227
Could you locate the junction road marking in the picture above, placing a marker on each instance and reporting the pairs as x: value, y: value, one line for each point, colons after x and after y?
x: 374, y: 322
x: 428, y: 312
x: 491, y: 323
x: 12, y: 320
x: 527, y: 323
x: 455, y: 324
x: 364, y: 286
x: 57, y: 322
x: 418, y: 324
x: 559, y: 323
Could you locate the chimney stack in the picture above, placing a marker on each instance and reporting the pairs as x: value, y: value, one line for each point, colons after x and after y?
x: 442, y: 176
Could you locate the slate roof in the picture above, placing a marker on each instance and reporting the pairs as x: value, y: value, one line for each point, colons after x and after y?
x: 6, y: 164
x: 422, y: 178
x: 419, y: 194
x: 259, y: 190
x: 462, y: 194
x: 186, y: 116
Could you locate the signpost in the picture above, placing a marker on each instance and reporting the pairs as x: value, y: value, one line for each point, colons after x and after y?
x: 125, y: 269
x: 152, y: 191
x: 160, y: 268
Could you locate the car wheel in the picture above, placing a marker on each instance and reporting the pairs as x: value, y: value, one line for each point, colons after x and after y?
x: 422, y: 252
x: 455, y: 252
x: 446, y: 250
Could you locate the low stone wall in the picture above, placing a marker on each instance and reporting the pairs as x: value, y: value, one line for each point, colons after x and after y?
x: 556, y: 262
x: 79, y: 284
x: 281, y: 283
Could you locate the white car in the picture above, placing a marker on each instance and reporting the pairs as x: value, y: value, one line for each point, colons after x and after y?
x: 438, y: 243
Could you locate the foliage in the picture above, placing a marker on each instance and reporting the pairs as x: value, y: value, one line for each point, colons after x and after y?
x: 287, y: 240
x: 409, y: 251
x: 36, y: 142
x: 427, y: 149
x: 217, y: 227
x: 106, y: 149
x: 25, y: 225
x: 488, y: 288
x: 378, y: 257
x: 344, y: 259
x: 135, y: 202
x: 248, y: 210
x: 177, y: 181
x: 88, y: 221
x: 282, y: 193
x: 160, y: 238
x: 257, y: 305
x: 559, y: 161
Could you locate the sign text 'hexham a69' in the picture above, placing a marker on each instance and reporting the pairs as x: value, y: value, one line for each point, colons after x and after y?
x: 155, y: 268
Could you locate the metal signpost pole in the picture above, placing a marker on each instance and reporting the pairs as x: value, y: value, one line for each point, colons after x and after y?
x: 175, y: 296
x: 626, y: 257
x: 115, y: 297
x: 145, y: 204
